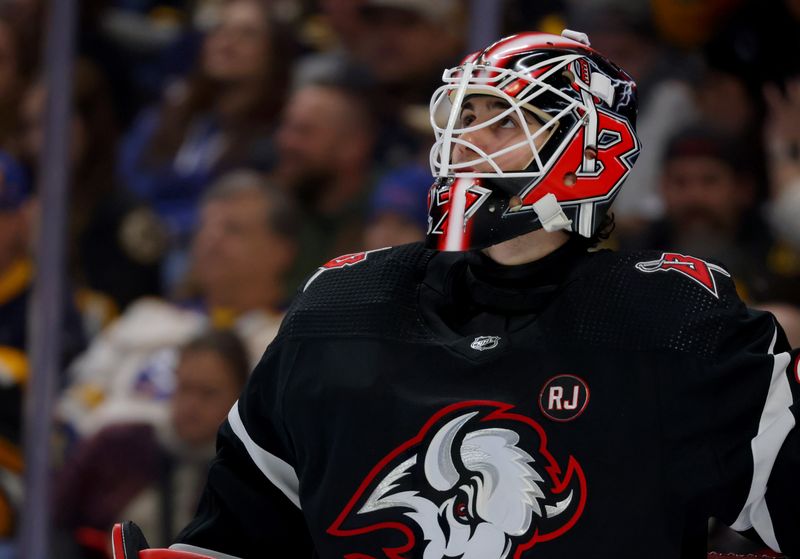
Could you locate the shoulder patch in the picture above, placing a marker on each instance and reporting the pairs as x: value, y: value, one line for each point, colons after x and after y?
x: 372, y: 293
x: 342, y: 262
x: 695, y: 269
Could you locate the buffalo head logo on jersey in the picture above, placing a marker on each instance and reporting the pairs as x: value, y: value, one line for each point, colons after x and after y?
x: 477, y: 482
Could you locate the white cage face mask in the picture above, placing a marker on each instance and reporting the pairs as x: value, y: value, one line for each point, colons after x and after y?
x: 536, y: 131
x: 471, y: 79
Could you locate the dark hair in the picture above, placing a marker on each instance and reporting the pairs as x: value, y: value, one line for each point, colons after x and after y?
x: 603, y: 233
x: 13, y: 95
x: 282, y: 217
x: 92, y: 104
x: 229, y: 346
x: 705, y: 140
x: 201, y: 93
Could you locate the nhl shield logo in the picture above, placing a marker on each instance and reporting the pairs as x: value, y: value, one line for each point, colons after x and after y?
x: 482, y: 343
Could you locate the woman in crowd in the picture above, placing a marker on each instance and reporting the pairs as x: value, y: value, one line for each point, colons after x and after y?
x: 115, y: 242
x: 219, y: 117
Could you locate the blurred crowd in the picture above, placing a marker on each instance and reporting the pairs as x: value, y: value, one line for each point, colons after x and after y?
x: 221, y: 150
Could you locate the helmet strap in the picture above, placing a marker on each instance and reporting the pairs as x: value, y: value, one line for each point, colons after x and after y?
x: 551, y: 215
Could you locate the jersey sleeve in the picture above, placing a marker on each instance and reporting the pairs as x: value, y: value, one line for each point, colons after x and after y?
x: 762, y: 410
x: 250, y: 506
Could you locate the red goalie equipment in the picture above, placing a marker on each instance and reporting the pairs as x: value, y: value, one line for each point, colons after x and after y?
x: 127, y: 542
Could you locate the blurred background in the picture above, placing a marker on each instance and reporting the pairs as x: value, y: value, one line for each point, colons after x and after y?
x: 219, y: 151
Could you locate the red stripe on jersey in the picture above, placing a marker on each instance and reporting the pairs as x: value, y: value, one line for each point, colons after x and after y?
x: 117, y: 550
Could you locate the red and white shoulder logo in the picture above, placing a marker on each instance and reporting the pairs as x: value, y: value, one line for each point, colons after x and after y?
x: 342, y: 262
x: 564, y: 398
x: 345, y: 260
x: 693, y: 268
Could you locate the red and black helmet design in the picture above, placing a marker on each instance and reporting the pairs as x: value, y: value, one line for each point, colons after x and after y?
x: 580, y: 153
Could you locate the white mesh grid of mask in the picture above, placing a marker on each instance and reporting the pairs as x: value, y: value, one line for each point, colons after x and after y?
x: 471, y: 79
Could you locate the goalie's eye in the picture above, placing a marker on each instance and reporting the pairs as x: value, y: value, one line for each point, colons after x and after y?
x: 507, y: 122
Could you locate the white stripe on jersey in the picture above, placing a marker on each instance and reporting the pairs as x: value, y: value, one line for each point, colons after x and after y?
x: 280, y: 473
x: 776, y: 422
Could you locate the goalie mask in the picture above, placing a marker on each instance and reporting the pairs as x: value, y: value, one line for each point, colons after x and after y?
x: 534, y: 132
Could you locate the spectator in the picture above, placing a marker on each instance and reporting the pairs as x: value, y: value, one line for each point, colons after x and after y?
x: 152, y: 472
x: 396, y: 48
x: 17, y: 215
x: 243, y: 248
x: 728, y: 92
x: 689, y: 25
x: 545, y: 15
x: 15, y: 276
x: 13, y: 77
x: 135, y: 43
x: 666, y: 103
x: 398, y: 212
x: 219, y: 119
x: 115, y: 242
x: 754, y: 38
x: 782, y: 135
x: 325, y: 145
x: 727, y: 99
x: 337, y: 27
x: 710, y: 211
x: 405, y: 44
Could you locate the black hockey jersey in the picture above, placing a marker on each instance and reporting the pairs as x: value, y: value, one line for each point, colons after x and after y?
x: 608, y: 413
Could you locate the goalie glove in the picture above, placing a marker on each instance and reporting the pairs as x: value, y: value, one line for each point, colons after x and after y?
x: 128, y: 542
